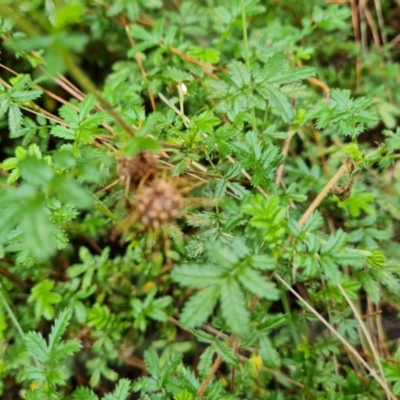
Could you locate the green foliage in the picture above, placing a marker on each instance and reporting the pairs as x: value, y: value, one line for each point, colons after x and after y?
x: 19, y: 94
x: 149, y: 308
x: 250, y: 111
x: 49, y: 372
x: 269, y: 216
x: 81, y: 127
x: 171, y: 380
x: 43, y: 298
x: 350, y: 116
x: 232, y: 269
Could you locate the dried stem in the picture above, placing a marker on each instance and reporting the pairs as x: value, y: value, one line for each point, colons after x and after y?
x: 335, y: 178
x: 139, y: 63
x: 349, y: 347
x: 284, y: 153
x: 210, y: 375
x: 212, y: 372
x: 322, y: 85
x: 368, y: 337
x: 86, y: 84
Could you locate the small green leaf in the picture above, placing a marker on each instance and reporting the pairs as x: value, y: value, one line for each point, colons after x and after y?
x: 376, y: 259
x: 63, y: 132
x: 205, y: 122
x: 68, y: 14
x: 64, y: 350
x: 334, y: 243
x: 136, y: 144
x: 206, y: 360
x: 58, y: 328
x: 278, y: 101
x: 43, y: 298
x: 268, y: 353
x: 351, y: 287
x: 256, y: 284
x: 83, y: 393
x: 99, y: 316
x: 272, y: 322
x: 70, y: 191
x: 36, y: 227
x: 25, y: 95
x: 9, y: 163
x: 292, y: 75
x: 184, y: 395
x: 226, y: 352
x: 9, y: 218
x: 203, y: 337
x: 152, y: 363
x: 70, y: 114
x: 37, y: 346
x: 35, y: 171
x: 274, y: 68
x: 4, y: 104
x: 170, y: 369
x: 14, y: 119
x: 20, y: 81
x: 331, y: 271
x: 263, y: 262
x: 85, y: 107
x: 234, y: 308
x: 194, y: 276
x: 220, y: 189
x: 314, y: 222
x: 239, y: 74
x: 199, y: 307
x: 121, y: 392
x: 371, y: 286
x: 33, y: 374
x: 203, y: 54
x: 138, y: 32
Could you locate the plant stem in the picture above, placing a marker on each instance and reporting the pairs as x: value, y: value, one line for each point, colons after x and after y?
x: 350, y: 348
x: 87, y: 85
x: 335, y: 178
x: 10, y: 313
x: 247, y: 57
x: 22, y: 23
x: 210, y: 375
x: 288, y: 313
x: 367, y: 336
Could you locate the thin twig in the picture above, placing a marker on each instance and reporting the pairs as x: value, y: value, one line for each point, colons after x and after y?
x: 5, y: 272
x: 355, y: 22
x: 210, y: 375
x: 247, y: 57
x: 86, y: 84
x: 70, y: 87
x: 139, y: 63
x: 284, y: 153
x: 318, y: 141
x: 318, y: 82
x: 335, y: 178
x: 351, y: 349
x: 172, y: 107
x: 381, y: 21
x: 368, y: 337
x: 371, y: 23
x: 11, y: 313
x: 212, y: 372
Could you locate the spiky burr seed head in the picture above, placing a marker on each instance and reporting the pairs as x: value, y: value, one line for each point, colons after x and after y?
x: 142, y: 166
x: 158, y: 204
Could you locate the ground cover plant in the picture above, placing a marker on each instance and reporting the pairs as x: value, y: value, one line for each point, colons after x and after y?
x: 199, y: 199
